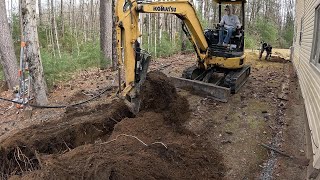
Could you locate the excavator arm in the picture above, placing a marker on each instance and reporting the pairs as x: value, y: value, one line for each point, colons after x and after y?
x: 134, y: 60
x: 185, y: 11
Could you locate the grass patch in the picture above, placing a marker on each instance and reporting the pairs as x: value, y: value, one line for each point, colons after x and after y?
x: 59, y: 70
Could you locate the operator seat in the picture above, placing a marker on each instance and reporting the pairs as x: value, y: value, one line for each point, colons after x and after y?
x: 212, y: 37
x: 236, y: 38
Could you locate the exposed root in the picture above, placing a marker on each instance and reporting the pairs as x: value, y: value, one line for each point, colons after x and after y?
x: 131, y: 136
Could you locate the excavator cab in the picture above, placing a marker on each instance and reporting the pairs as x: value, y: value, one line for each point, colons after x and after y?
x: 236, y: 44
x: 224, y: 65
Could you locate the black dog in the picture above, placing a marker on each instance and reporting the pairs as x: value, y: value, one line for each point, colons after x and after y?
x: 265, y: 47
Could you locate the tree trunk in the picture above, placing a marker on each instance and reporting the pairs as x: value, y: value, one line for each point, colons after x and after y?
x: 84, y: 20
x: 206, y: 9
x: 183, y: 41
x: 73, y: 20
x: 140, y: 25
x: 165, y: 22
x: 114, y: 38
x: 40, y: 12
x: 159, y: 26
x: 149, y: 31
x: 91, y: 19
x: 39, y: 87
x: 70, y: 12
x: 106, y: 31
x: 62, y: 18
x: 8, y: 58
x: 200, y: 7
x: 54, y: 29
x: 11, y: 16
x: 50, y: 30
x: 215, y: 13
x: 155, y: 35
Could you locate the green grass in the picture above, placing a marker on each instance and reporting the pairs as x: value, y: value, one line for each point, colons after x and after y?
x: 59, y: 70
x: 1, y: 74
x: 251, y: 41
x: 165, y: 47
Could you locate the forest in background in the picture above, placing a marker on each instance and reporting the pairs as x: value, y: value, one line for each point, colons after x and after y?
x: 70, y: 33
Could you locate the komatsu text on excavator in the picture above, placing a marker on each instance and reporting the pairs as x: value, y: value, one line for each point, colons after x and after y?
x: 220, y: 70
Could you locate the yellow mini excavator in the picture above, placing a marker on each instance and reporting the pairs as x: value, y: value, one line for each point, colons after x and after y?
x: 220, y: 70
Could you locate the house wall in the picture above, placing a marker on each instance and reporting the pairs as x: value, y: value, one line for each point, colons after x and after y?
x: 308, y: 73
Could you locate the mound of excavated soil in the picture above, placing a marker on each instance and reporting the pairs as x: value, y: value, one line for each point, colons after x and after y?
x: 186, y: 157
x: 78, y: 127
x: 158, y: 94
x: 106, y: 142
x: 278, y: 59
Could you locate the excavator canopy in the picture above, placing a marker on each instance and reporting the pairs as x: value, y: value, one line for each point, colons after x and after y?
x: 237, y: 2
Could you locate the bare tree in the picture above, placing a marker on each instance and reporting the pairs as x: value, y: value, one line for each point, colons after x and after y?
x: 92, y: 19
x: 114, y: 38
x: 106, y: 30
x: 149, y: 31
x: 62, y: 18
x: 39, y: 87
x: 70, y: 11
x: 54, y: 29
x: 8, y: 58
x: 183, y: 41
x: 84, y: 20
x: 40, y: 12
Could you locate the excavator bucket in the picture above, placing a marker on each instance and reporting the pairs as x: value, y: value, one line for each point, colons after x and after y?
x: 141, y: 74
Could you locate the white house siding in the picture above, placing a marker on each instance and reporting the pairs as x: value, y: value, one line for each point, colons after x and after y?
x: 308, y: 73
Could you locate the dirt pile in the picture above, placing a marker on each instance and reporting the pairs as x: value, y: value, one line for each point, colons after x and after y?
x: 78, y: 127
x: 159, y: 95
x: 278, y: 59
x: 107, y: 142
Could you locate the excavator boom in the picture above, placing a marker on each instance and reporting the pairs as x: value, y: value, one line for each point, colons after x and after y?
x: 127, y: 29
x: 186, y: 12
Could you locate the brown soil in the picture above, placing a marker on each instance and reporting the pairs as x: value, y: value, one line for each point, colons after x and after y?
x: 158, y: 94
x: 76, y: 128
x: 278, y: 59
x: 250, y: 117
x: 106, y: 141
x: 226, y: 134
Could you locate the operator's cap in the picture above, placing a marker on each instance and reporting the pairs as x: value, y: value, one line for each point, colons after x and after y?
x: 227, y: 8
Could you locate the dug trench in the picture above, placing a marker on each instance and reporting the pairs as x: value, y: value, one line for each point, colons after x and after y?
x: 108, y: 142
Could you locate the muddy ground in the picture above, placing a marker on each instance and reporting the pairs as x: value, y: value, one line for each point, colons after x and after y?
x: 178, y: 136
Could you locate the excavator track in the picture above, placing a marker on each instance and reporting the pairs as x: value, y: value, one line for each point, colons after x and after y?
x: 236, y: 79
x: 192, y: 73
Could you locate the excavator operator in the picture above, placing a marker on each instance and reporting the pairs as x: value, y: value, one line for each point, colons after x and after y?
x: 229, y: 23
